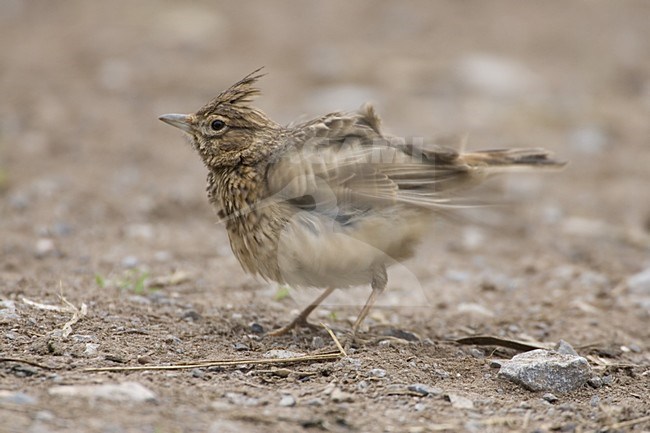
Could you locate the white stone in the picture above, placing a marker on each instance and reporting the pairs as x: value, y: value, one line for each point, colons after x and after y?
x: 640, y: 283
x: 544, y: 370
x: 282, y: 354
x: 122, y: 392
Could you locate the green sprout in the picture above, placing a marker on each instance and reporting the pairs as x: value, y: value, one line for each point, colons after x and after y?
x: 282, y: 293
x: 135, y: 281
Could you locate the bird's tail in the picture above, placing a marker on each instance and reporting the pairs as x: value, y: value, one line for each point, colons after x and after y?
x: 510, y: 160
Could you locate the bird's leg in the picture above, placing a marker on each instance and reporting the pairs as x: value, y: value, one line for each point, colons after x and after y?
x: 378, y: 284
x: 301, y: 319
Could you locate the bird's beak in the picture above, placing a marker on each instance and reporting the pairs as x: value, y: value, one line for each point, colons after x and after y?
x: 182, y: 121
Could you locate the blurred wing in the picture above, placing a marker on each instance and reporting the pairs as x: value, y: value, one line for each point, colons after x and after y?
x: 341, y: 165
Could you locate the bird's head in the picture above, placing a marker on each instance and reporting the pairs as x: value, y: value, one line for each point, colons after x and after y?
x: 227, y: 131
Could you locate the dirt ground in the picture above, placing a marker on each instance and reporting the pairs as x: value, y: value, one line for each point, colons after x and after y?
x: 103, y: 205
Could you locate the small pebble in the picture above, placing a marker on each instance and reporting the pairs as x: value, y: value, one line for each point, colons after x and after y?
x: 256, y: 328
x: 159, y: 297
x: 130, y: 262
x: 317, y: 342
x: 457, y: 276
x: 514, y: 328
x: 144, y: 359
x: 139, y: 231
x: 122, y: 392
x: 567, y: 407
x: 607, y: 380
x: 401, y: 334
x: 287, y: 401
x: 477, y: 353
x: 19, y: 201
x: 18, y: 398
x: 139, y: 299
x: 565, y: 348
x: 377, y: 372
x: 349, y: 361
x: 44, y: 247
x: 24, y: 370
x: 551, y: 398
x: 315, y: 402
x: 44, y: 416
x: 442, y: 374
x: 191, y: 316
x: 339, y: 396
x: 241, y: 347
x: 221, y: 406
x: 281, y: 372
x: 61, y: 229
x: 595, y: 401
x: 639, y: 283
x: 282, y: 354
x: 80, y: 338
x: 419, y: 407
x: 162, y: 256
x: 588, y: 139
x: 239, y: 399
x: 198, y: 373
x: 91, y: 349
x: 172, y: 339
x: 595, y: 382
x: 474, y: 309
x: 114, y: 357
x: 424, y: 390
x: 460, y: 402
x: 55, y: 378
x: 8, y: 311
x: 395, y: 388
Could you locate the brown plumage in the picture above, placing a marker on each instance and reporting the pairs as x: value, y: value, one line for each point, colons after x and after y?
x: 330, y: 202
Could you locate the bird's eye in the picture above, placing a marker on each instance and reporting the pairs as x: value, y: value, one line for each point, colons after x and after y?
x: 217, y: 125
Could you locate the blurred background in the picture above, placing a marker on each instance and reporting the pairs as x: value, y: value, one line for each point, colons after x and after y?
x: 92, y: 183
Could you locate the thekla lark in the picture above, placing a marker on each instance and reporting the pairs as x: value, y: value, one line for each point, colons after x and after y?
x: 332, y: 201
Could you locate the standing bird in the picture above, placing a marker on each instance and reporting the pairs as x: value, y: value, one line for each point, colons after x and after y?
x: 330, y: 202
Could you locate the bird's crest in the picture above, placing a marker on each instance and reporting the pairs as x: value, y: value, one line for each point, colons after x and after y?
x: 240, y: 93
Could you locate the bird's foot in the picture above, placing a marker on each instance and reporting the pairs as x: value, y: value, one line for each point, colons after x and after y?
x: 354, y: 338
x: 298, y: 322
